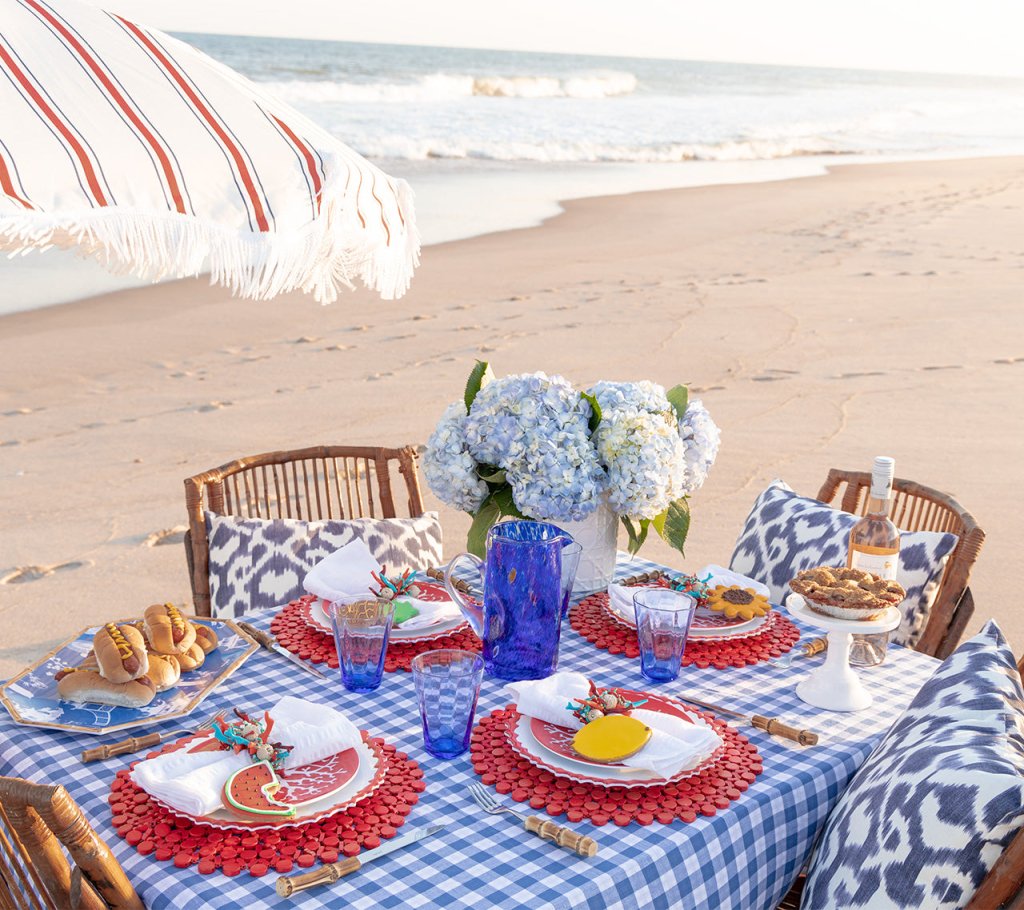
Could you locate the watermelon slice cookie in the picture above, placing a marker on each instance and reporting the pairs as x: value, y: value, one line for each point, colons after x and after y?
x: 251, y: 790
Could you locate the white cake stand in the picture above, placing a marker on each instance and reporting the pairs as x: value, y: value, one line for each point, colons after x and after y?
x: 834, y: 685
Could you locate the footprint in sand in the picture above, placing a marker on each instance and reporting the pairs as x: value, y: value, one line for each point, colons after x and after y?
x: 338, y: 347
x: 166, y: 536
x: 858, y: 375
x: 1007, y: 361
x: 212, y: 406
x: 306, y: 339
x: 768, y: 378
x: 486, y: 348
x: 948, y: 366
x: 22, y: 574
x: 419, y: 317
x: 515, y: 297
x: 10, y: 442
x: 17, y: 412
x: 358, y: 328
x: 374, y: 376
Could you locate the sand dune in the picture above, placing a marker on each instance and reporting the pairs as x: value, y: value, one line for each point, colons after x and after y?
x: 823, y: 321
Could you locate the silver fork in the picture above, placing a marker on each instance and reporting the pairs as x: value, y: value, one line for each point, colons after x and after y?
x: 543, y: 828
x: 801, y: 650
x: 136, y: 743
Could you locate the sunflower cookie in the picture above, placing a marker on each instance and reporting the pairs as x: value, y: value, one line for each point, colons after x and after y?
x: 734, y: 601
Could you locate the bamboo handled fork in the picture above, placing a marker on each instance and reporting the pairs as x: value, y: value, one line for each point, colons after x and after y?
x: 137, y: 743
x: 543, y: 828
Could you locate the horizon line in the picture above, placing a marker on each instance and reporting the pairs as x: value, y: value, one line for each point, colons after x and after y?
x: 519, y: 50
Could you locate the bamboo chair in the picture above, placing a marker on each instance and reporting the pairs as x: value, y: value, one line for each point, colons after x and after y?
x: 305, y: 484
x: 920, y: 508
x: 37, y: 824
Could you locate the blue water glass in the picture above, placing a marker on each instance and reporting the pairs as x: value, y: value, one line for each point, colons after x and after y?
x: 447, y: 686
x: 361, y: 632
x: 663, y: 620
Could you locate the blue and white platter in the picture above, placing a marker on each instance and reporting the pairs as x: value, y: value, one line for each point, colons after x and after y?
x: 31, y: 696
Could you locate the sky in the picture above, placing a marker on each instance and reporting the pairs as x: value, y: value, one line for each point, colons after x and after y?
x: 949, y: 36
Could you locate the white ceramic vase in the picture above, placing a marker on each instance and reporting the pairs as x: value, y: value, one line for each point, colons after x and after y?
x: 598, y: 535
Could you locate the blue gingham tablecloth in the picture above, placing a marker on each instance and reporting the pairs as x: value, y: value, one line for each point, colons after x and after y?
x: 746, y: 856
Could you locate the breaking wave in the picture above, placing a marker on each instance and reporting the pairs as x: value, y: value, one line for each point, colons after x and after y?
x: 443, y: 86
x: 403, y: 147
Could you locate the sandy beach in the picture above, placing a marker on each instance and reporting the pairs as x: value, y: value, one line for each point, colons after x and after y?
x: 822, y: 320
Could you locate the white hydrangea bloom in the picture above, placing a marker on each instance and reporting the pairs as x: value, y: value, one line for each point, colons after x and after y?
x: 645, y: 460
x: 638, y: 396
x: 702, y: 439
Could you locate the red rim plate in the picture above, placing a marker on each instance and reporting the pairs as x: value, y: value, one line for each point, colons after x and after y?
x: 429, y: 591
x: 564, y: 750
x: 558, y: 739
x: 311, y: 783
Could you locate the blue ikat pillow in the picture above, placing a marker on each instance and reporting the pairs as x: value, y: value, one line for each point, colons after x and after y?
x: 786, y: 533
x: 930, y: 811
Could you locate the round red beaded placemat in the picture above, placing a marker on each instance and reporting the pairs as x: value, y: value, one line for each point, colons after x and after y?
x: 291, y: 630
x: 501, y: 767
x: 154, y: 830
x: 591, y: 619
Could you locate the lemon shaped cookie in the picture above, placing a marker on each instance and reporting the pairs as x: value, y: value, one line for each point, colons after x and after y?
x: 611, y: 738
x: 734, y: 601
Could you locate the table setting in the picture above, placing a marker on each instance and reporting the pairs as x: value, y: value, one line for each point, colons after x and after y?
x: 523, y: 726
x: 432, y: 619
x: 478, y: 856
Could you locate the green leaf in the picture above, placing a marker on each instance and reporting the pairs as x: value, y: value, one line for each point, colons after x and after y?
x: 659, y: 522
x: 490, y: 473
x: 633, y: 544
x: 595, y: 411
x: 645, y: 526
x: 506, y: 502
x: 679, y: 398
x: 485, y: 517
x: 676, y: 524
x: 479, y: 376
x: 637, y: 535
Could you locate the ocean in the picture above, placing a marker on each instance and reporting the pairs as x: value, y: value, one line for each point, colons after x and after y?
x: 494, y: 139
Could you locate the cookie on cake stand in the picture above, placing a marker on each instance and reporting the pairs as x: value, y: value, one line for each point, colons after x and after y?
x: 834, y: 685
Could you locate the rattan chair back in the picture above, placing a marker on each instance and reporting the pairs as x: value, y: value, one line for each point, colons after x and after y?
x: 306, y: 484
x: 51, y: 857
x: 919, y: 508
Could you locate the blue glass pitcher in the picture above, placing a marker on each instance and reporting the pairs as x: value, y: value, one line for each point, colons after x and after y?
x: 527, y: 579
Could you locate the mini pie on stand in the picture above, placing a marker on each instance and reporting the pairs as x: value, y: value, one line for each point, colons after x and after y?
x: 834, y: 685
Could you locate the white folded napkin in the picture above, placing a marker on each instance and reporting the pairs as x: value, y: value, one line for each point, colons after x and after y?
x: 675, y: 744
x: 192, y: 782
x: 546, y: 699
x: 620, y: 597
x: 344, y: 575
x: 431, y: 612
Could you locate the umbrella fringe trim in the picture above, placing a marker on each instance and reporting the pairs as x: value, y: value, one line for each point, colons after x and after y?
x: 319, y: 259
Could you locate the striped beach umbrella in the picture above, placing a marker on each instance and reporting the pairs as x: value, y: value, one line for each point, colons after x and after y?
x: 140, y: 150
